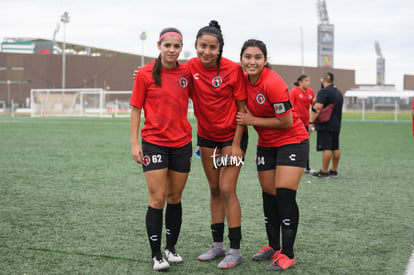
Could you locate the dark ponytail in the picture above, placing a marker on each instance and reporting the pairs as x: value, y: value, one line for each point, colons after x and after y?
x: 214, y: 29
x: 156, y: 70
x: 300, y: 79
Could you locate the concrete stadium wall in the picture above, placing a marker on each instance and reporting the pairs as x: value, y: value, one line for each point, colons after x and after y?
x: 112, y: 72
x: 408, y: 82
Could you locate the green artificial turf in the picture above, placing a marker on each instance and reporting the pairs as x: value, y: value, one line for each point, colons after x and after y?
x: 73, y: 202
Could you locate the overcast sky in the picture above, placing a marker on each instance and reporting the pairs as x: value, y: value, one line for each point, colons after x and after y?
x: 117, y: 25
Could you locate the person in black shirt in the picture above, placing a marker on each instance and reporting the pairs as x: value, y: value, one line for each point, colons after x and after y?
x: 328, y: 132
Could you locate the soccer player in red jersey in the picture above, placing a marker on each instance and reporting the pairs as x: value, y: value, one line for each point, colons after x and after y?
x: 162, y: 89
x: 412, y: 113
x: 282, y: 152
x: 219, y: 92
x: 302, y: 98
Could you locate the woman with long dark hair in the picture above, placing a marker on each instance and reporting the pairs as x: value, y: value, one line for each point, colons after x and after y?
x: 282, y: 152
x: 162, y: 90
x: 302, y: 99
x: 219, y: 92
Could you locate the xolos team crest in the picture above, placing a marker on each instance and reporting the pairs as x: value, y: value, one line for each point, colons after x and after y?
x: 183, y: 82
x: 260, y: 98
x: 217, y: 81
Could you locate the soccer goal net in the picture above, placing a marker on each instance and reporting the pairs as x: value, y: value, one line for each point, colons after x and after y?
x: 79, y: 102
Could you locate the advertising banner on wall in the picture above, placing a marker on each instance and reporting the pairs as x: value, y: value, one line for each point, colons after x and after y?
x: 325, y: 45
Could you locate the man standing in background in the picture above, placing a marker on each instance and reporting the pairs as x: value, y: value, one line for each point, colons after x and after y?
x: 328, y: 132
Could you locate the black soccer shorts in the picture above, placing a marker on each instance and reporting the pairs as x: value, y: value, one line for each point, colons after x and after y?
x: 268, y: 158
x: 160, y: 157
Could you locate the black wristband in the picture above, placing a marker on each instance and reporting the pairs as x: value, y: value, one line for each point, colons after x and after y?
x: 310, y: 122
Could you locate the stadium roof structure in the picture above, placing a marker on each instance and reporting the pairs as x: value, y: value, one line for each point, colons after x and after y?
x: 379, y: 93
x: 71, y: 48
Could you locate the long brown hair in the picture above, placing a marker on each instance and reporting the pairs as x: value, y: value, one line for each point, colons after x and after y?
x: 156, y: 70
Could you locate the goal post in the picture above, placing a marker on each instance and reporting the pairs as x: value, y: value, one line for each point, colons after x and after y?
x: 79, y: 102
x: 83, y: 103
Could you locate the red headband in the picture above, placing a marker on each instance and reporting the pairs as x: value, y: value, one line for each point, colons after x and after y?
x: 170, y: 33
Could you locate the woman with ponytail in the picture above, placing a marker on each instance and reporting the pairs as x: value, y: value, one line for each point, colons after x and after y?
x: 162, y: 89
x: 302, y: 98
x: 219, y: 92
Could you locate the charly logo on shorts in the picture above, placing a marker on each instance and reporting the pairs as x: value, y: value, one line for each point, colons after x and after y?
x: 217, y: 81
x: 183, y: 82
x: 260, y: 98
x: 147, y: 160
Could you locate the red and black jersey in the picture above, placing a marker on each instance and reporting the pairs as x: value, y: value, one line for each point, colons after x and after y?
x: 413, y: 118
x: 165, y: 107
x: 269, y: 97
x: 301, y: 101
x: 214, y: 98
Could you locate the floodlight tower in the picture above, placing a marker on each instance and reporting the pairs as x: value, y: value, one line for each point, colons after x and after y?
x: 64, y: 19
x: 322, y: 12
x: 380, y: 65
x: 325, y: 36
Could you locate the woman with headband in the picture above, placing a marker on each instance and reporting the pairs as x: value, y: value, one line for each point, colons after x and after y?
x: 218, y: 93
x: 162, y: 89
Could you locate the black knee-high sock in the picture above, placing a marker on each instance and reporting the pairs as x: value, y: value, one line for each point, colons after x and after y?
x: 235, y: 237
x: 217, y: 230
x: 289, y: 217
x: 272, y: 222
x: 154, y: 228
x: 173, y: 220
